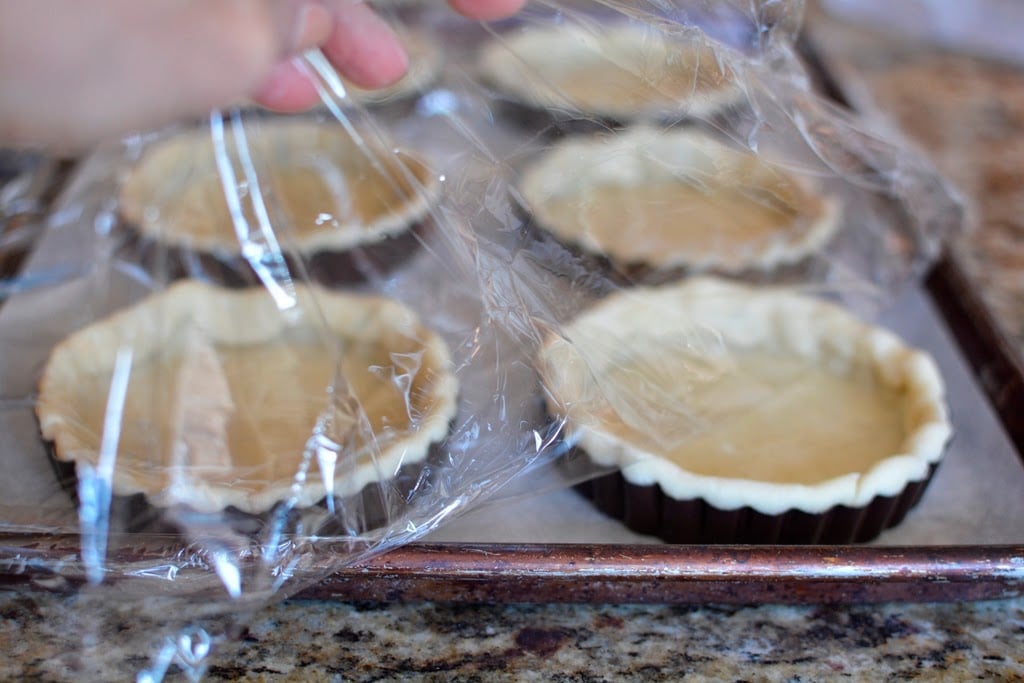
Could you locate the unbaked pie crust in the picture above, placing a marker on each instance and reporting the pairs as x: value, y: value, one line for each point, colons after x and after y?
x: 676, y: 199
x: 622, y: 72
x: 225, y: 392
x: 334, y: 194
x: 746, y: 398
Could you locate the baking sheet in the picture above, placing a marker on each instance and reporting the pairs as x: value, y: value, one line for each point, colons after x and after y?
x: 975, y: 296
x: 974, y: 507
x: 976, y: 497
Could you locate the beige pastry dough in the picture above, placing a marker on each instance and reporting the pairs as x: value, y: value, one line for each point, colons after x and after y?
x: 676, y: 199
x: 795, y: 404
x: 226, y: 391
x: 625, y: 72
x: 332, y: 192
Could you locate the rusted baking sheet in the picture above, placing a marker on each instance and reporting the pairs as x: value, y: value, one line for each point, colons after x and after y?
x: 667, y: 574
x: 681, y: 574
x: 576, y: 573
x: 993, y: 358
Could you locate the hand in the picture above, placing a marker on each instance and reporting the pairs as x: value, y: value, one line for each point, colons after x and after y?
x: 73, y: 73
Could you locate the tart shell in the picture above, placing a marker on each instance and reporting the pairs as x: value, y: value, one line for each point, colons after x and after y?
x: 648, y: 510
x: 353, y: 211
x: 613, y: 75
x: 653, y: 494
x: 787, y: 218
x: 189, y: 459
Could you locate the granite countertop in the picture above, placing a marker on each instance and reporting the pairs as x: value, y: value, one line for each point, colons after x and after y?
x: 44, y: 639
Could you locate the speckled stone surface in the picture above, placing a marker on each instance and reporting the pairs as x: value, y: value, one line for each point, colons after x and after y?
x: 40, y: 635
x: 967, y: 113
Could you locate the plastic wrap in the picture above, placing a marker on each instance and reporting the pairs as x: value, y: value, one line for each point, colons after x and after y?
x: 266, y: 346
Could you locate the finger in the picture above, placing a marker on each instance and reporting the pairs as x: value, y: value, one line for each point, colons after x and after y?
x: 487, y: 10
x: 362, y: 46
x: 288, y: 89
x: 307, y: 23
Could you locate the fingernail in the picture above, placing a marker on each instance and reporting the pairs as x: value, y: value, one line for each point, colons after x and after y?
x: 310, y: 25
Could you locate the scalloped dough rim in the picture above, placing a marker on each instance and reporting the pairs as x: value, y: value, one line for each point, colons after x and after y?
x: 560, y: 168
x: 502, y: 64
x: 207, y: 497
x: 923, y: 445
x: 168, y: 151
